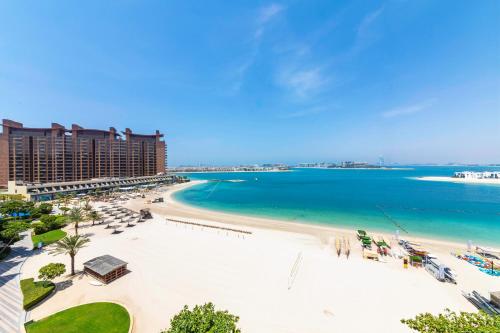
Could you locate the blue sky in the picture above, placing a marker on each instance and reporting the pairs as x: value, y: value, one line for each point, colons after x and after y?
x: 252, y: 82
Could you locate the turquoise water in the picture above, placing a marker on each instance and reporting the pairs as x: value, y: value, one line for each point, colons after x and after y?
x: 383, y: 200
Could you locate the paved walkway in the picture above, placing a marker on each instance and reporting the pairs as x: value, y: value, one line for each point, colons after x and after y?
x: 11, y: 299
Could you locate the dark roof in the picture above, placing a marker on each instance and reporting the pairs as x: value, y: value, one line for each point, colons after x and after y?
x: 104, y: 264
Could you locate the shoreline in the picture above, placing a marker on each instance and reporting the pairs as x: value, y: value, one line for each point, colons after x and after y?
x: 186, y: 256
x: 311, y: 228
x: 484, y: 181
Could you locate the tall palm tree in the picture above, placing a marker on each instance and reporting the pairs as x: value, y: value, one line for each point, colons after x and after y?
x: 87, y: 207
x: 70, y: 245
x: 94, y: 216
x: 76, y: 216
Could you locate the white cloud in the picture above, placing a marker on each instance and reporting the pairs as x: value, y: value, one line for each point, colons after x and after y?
x: 409, y: 109
x: 268, y: 12
x: 265, y: 16
x: 303, y: 82
x: 368, y: 21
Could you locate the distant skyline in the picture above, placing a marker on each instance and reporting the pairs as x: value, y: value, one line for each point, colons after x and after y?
x: 263, y: 82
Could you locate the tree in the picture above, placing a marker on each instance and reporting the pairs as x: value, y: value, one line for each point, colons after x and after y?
x: 64, y: 210
x: 94, y: 216
x: 51, y: 271
x: 448, y: 322
x: 87, y: 207
x: 70, y: 245
x: 203, y: 319
x: 76, y: 216
x: 45, y: 208
x: 15, y: 207
x: 10, y: 231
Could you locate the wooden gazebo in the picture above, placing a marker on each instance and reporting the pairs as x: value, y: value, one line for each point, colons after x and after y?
x: 105, y: 268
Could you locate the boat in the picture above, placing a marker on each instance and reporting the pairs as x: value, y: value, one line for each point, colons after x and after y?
x: 439, y: 270
x: 481, y: 303
x: 338, y: 246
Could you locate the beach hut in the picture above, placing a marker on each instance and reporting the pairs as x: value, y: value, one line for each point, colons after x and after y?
x: 105, y: 268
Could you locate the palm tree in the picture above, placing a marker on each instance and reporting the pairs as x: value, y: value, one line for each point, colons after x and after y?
x: 76, y: 216
x: 87, y: 207
x: 70, y: 245
x: 94, y: 216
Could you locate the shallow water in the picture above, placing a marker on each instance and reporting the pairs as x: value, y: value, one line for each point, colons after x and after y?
x: 384, y: 200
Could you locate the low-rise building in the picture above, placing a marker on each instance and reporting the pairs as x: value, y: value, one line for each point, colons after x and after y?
x: 49, y: 191
x: 477, y: 175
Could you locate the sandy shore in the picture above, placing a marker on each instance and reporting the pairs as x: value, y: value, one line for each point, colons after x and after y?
x: 462, y: 180
x: 253, y: 275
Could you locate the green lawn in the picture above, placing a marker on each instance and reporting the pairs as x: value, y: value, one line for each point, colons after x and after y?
x: 48, y: 237
x: 94, y: 317
x: 35, y: 292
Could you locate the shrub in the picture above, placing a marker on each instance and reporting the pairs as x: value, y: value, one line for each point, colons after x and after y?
x: 39, y: 227
x: 11, y: 230
x: 462, y: 322
x: 61, y: 220
x: 50, y: 222
x: 203, y: 319
x: 35, y: 292
x: 51, y: 271
x: 45, y: 208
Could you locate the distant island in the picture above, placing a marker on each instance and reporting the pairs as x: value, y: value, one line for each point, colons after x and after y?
x: 342, y: 165
x: 241, y: 168
x: 280, y: 167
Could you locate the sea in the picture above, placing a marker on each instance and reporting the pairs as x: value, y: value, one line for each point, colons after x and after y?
x: 371, y: 199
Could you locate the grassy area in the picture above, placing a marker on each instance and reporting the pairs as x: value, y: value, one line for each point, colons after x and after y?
x: 35, y: 292
x: 99, y: 317
x: 48, y: 237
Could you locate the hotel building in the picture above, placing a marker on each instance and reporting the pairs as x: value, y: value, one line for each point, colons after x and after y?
x: 56, y: 154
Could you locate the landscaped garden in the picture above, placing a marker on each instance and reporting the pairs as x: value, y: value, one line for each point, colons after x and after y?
x: 35, y: 292
x: 99, y: 317
x: 48, y: 237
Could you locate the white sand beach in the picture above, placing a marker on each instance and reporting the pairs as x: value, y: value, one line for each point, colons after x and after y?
x: 484, y: 181
x: 253, y: 275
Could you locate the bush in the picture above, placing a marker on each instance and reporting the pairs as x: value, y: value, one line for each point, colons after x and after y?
x: 203, y: 319
x: 45, y: 208
x: 61, y: 220
x: 39, y: 227
x: 462, y: 322
x: 11, y: 230
x: 51, y: 271
x: 35, y: 292
x: 50, y: 222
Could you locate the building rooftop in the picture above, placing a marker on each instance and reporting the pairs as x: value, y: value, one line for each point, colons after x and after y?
x: 104, y: 264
